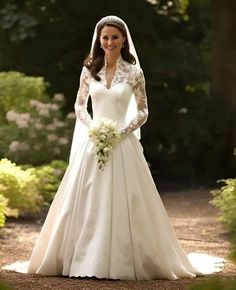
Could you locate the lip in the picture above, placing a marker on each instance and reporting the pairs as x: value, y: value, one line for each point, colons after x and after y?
x: 111, y: 48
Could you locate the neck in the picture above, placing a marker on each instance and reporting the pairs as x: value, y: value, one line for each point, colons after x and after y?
x: 111, y: 60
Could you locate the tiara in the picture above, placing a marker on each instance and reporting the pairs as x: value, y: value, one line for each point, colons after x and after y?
x: 110, y: 18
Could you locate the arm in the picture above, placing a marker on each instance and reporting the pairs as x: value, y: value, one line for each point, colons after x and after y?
x: 141, y: 101
x: 82, y: 98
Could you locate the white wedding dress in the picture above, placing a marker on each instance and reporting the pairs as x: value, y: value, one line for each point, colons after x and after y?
x: 111, y: 223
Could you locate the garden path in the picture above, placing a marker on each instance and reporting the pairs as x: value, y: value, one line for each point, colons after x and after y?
x: 195, y: 223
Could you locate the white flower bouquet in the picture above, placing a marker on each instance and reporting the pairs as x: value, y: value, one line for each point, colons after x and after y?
x: 105, y: 135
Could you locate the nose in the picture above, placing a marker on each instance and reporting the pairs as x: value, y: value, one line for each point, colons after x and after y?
x: 110, y: 41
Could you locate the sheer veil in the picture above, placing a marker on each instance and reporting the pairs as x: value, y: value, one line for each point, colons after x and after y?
x: 81, y: 131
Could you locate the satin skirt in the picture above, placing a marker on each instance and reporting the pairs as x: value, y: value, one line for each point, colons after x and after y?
x: 110, y: 224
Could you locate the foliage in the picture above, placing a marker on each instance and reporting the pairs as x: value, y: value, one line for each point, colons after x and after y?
x: 3, y: 208
x: 4, y: 286
x: 214, y: 284
x: 20, y: 187
x: 16, y: 89
x: 26, y: 189
x: 173, y: 42
x: 49, y: 177
x: 8, y: 133
x: 225, y: 201
x: 43, y: 134
x: 174, y: 10
x: 16, y: 22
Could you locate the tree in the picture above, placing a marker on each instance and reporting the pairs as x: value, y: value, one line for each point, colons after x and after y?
x: 223, y: 89
x: 173, y: 40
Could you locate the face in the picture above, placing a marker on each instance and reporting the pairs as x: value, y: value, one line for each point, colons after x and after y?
x: 111, y: 40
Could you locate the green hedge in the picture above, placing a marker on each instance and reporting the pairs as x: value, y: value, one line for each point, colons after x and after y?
x: 26, y: 189
x: 49, y: 177
x: 3, y: 208
x: 215, y: 284
x: 17, y: 89
x: 20, y: 187
x: 225, y: 200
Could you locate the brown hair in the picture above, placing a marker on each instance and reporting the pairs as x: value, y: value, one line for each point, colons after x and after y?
x: 95, y: 61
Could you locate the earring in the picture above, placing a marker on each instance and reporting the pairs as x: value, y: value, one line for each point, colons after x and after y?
x: 100, y: 46
x: 123, y: 45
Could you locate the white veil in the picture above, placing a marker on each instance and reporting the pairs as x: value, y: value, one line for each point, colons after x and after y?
x: 81, y: 131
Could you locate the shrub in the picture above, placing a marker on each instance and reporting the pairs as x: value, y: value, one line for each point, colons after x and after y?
x: 43, y: 134
x: 49, y: 179
x: 214, y: 284
x: 16, y: 90
x: 4, y: 286
x: 20, y: 187
x: 8, y: 133
x: 225, y: 200
x: 3, y: 207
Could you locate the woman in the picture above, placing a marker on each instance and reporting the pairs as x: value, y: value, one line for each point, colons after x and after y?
x: 110, y: 223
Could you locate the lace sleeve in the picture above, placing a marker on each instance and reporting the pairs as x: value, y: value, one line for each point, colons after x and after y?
x: 141, y: 101
x: 82, y: 98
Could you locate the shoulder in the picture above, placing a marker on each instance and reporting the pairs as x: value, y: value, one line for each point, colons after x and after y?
x: 85, y: 73
x: 137, y: 73
x: 132, y: 69
x: 85, y: 70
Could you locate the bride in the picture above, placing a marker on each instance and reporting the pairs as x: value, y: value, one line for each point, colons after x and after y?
x: 111, y: 223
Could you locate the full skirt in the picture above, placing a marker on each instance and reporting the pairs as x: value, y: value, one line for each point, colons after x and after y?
x: 111, y: 223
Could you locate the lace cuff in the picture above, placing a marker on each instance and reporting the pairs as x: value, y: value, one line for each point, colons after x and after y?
x: 141, y: 101
x: 82, y: 98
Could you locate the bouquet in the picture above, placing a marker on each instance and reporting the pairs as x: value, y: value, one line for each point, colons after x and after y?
x: 105, y: 135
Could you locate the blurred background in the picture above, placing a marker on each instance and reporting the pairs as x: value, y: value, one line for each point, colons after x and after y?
x: 187, y: 50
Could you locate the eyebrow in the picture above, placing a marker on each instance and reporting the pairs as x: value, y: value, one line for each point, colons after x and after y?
x: 112, y: 34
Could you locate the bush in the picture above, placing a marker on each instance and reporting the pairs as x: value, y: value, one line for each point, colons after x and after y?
x: 214, y: 284
x: 8, y: 133
x: 225, y: 200
x: 26, y: 189
x: 16, y: 90
x: 4, y: 286
x: 49, y: 179
x: 3, y: 207
x: 43, y: 133
x: 20, y: 187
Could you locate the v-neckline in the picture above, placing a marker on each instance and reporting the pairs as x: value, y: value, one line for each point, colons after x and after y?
x: 114, y: 75
x: 106, y: 82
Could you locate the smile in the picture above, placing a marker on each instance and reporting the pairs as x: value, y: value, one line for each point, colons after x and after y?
x: 111, y: 48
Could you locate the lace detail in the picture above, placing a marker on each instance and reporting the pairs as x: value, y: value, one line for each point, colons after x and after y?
x: 141, y: 101
x: 82, y: 98
x: 132, y: 75
x: 125, y: 73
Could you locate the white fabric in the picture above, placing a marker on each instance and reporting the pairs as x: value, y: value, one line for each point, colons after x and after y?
x: 111, y: 223
x: 132, y: 111
x: 80, y: 130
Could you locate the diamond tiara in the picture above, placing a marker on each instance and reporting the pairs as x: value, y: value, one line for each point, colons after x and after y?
x: 110, y: 18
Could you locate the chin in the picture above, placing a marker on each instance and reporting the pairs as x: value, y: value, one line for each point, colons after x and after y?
x: 115, y: 51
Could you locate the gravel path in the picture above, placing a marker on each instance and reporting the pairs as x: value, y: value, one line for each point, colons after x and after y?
x: 195, y: 223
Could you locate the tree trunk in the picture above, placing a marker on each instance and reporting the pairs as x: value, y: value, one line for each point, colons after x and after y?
x: 223, y: 87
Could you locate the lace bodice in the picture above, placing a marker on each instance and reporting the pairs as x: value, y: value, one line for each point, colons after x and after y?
x: 113, y: 102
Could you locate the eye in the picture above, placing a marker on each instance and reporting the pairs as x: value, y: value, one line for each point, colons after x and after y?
x: 105, y: 37
x: 115, y: 37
